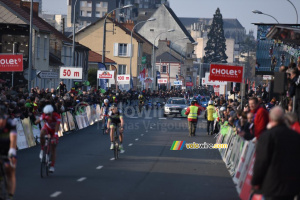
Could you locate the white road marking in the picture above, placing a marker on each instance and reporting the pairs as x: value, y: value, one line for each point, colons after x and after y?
x: 133, y: 117
x: 136, y: 139
x: 99, y: 167
x: 112, y: 159
x: 81, y: 179
x: 142, y: 134
x: 148, y: 117
x: 55, y: 194
x: 176, y: 119
x: 203, y: 120
x: 162, y: 118
x: 151, y: 127
x: 130, y: 144
x: 122, y: 151
x: 146, y: 131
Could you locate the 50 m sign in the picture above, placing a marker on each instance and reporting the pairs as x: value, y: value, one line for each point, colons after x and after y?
x: 70, y: 73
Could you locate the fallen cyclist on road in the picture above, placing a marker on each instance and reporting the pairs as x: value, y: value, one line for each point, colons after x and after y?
x: 51, y: 127
x: 115, y: 120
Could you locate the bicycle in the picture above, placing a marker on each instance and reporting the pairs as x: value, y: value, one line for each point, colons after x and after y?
x: 3, y: 179
x: 105, y: 119
x: 116, y: 144
x: 45, y: 161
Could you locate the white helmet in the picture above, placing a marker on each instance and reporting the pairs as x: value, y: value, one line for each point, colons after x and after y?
x: 48, y: 109
x: 210, y: 102
x: 222, y: 108
x: 106, y: 101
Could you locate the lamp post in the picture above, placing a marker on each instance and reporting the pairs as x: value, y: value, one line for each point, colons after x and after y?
x: 30, y: 47
x: 170, y: 60
x: 131, y: 52
x: 153, y: 54
x: 295, y: 10
x: 261, y: 13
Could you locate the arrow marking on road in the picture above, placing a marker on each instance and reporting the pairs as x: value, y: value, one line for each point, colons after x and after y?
x: 55, y: 194
x: 81, y: 179
x: 99, y: 167
x: 130, y: 144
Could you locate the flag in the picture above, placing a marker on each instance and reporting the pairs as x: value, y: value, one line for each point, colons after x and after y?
x: 142, y: 75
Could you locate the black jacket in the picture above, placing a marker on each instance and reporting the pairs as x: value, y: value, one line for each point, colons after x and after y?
x: 277, y: 163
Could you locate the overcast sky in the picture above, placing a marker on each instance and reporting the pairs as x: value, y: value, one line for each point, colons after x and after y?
x: 282, y: 10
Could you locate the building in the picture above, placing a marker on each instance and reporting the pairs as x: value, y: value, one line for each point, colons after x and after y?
x: 89, y: 11
x: 118, y: 47
x: 40, y: 2
x: 59, y: 22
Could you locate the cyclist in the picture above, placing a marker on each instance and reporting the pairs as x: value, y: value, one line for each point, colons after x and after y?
x: 141, y: 99
x: 115, y: 120
x: 104, y: 110
x: 8, y: 147
x: 51, y: 127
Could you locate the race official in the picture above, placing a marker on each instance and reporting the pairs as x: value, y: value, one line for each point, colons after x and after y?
x: 192, y: 112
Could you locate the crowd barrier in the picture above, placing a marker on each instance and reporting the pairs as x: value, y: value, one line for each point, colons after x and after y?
x: 28, y: 133
x: 239, y: 158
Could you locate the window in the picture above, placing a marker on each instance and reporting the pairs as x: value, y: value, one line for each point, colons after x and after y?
x: 121, y: 69
x: 98, y: 14
x: 188, y: 69
x: 38, y: 43
x: 122, y: 49
x: 140, y: 5
x: 151, y: 29
x: 88, y: 23
x: 89, y: 4
x: 164, y: 69
x: 83, y: 4
x: 104, y: 4
x: 98, y: 5
x: 82, y: 13
x: 146, y: 6
x: 45, y: 48
x: 88, y: 13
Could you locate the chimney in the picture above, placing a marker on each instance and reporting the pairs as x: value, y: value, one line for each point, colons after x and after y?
x: 168, y: 42
x: 129, y: 24
x: 17, y: 2
x: 26, y: 4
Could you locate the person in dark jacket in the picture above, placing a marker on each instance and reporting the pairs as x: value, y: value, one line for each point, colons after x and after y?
x: 276, y: 172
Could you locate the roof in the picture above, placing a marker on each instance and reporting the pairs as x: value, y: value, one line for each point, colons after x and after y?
x: 24, y: 15
x: 287, y: 34
x: 97, y: 58
x: 166, y: 57
x: 227, y: 23
x: 179, y: 23
x: 135, y: 35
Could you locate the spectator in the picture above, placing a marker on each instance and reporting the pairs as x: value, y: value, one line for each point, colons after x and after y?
x: 292, y: 121
x: 260, y: 114
x: 271, y: 104
x: 276, y: 172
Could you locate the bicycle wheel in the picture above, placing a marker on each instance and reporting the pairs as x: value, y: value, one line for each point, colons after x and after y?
x: 44, y: 164
x: 48, y: 161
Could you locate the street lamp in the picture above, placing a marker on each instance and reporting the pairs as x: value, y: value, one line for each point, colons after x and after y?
x: 149, y: 20
x: 73, y: 44
x: 170, y: 59
x: 295, y: 10
x: 104, y: 31
x: 261, y: 13
x: 153, y: 53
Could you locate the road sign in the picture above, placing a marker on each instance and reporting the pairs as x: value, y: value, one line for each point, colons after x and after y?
x: 177, y: 82
x: 226, y: 73
x: 33, y: 74
x: 70, y: 73
x: 105, y: 74
x: 47, y: 74
x: 11, y: 62
x: 123, y: 79
x: 162, y: 81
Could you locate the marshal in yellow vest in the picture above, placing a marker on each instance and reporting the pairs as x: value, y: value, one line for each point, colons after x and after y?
x: 193, y: 112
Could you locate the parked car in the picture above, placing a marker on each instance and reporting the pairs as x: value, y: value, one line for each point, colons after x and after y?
x: 174, y: 106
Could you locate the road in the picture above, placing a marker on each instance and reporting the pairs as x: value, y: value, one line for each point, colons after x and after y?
x: 148, y: 169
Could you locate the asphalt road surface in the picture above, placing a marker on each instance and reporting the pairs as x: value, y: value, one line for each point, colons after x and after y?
x: 148, y: 169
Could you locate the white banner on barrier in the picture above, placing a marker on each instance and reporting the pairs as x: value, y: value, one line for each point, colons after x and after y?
x: 36, y: 132
x: 79, y: 121
x: 28, y: 132
x: 71, y: 121
x: 21, y: 138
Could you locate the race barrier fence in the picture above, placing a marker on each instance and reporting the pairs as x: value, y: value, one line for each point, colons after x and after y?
x: 239, y: 158
x: 28, y: 133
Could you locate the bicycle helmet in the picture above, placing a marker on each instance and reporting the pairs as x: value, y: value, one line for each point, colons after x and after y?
x: 48, y: 109
x: 106, y: 101
x: 210, y: 102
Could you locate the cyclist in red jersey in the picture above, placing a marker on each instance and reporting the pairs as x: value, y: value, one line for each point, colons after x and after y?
x: 52, y: 121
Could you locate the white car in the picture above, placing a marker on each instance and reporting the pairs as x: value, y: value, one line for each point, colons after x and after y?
x: 174, y: 106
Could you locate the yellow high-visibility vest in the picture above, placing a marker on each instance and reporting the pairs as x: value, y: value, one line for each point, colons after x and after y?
x: 210, y: 112
x: 193, y: 112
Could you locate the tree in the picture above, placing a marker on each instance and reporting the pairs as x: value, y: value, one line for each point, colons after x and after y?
x: 216, y: 44
x: 92, y: 76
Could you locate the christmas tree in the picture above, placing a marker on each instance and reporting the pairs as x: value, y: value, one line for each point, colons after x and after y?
x: 216, y: 44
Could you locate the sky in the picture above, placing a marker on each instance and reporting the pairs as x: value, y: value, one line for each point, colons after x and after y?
x: 282, y: 10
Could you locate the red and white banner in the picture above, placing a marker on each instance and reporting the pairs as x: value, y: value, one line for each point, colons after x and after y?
x: 105, y: 74
x: 162, y: 81
x: 208, y: 81
x: 189, y: 84
x: 70, y: 73
x: 142, y: 75
x: 226, y: 73
x: 123, y: 79
x: 11, y: 62
x: 217, y: 90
